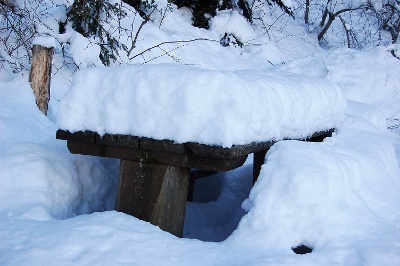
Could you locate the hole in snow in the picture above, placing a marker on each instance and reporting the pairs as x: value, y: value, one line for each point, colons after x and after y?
x: 302, y: 249
x: 216, y: 210
x: 208, y: 189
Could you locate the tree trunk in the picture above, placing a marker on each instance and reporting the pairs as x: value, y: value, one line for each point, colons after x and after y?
x: 395, y: 33
x: 39, y: 76
x: 347, y: 31
x: 324, y: 16
x: 331, y: 18
x: 327, y: 26
x: 307, y: 13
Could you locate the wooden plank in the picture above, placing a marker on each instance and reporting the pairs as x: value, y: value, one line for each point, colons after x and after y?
x: 123, y: 141
x: 240, y: 150
x: 118, y: 140
x: 315, y: 135
x: 162, y: 145
x: 79, y: 136
x: 320, y: 136
x: 168, y: 158
x: 226, y: 153
x: 201, y: 150
x: 154, y: 193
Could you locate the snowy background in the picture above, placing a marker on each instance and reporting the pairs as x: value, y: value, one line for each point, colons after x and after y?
x: 341, y: 197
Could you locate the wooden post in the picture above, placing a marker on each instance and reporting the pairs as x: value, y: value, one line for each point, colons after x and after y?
x: 155, y: 193
x: 258, y: 161
x: 39, y: 76
x: 320, y: 138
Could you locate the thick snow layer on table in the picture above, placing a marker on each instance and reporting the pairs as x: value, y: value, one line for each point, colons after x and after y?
x: 185, y: 103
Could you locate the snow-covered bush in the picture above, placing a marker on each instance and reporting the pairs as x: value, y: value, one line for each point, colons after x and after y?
x: 88, y: 16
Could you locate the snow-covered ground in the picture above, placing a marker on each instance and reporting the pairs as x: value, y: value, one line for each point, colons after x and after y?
x: 340, y: 197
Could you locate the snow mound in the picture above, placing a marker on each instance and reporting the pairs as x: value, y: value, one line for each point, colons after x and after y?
x: 342, y: 192
x: 20, y: 119
x: 40, y: 180
x: 52, y: 183
x: 184, y: 103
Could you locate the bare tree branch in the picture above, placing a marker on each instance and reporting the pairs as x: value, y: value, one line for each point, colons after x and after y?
x: 170, y: 42
x: 138, y: 31
x: 332, y: 17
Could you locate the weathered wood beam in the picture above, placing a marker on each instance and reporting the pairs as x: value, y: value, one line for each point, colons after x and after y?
x: 201, y: 150
x: 118, y: 140
x: 39, y: 76
x: 232, y: 152
x: 168, y: 158
x: 80, y: 136
x: 154, y: 193
x: 321, y: 137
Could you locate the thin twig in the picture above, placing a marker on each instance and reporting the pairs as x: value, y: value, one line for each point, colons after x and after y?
x: 138, y: 31
x: 171, y: 42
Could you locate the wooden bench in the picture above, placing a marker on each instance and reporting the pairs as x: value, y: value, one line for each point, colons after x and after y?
x: 155, y: 174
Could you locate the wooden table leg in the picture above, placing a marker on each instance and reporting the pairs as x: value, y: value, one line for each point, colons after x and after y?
x: 155, y: 193
x: 320, y: 138
x: 258, y: 161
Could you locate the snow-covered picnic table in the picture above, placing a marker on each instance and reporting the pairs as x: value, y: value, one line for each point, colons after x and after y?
x: 164, y: 120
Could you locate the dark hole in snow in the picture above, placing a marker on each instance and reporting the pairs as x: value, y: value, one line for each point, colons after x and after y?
x: 302, y: 249
x: 216, y: 210
x: 208, y: 189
